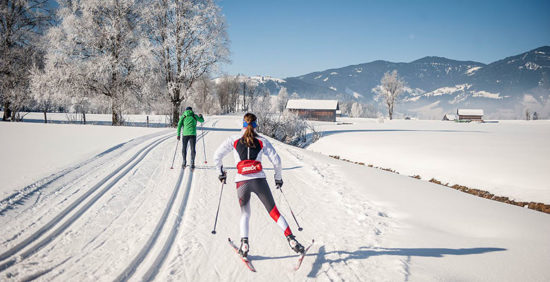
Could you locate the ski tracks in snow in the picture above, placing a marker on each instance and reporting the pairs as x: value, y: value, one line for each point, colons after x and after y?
x: 17, y: 253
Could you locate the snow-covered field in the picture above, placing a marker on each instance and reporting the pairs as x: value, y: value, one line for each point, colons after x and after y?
x: 125, y: 215
x: 509, y: 158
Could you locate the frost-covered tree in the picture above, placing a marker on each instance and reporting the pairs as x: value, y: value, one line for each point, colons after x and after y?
x: 390, y: 88
x: 248, y: 92
x: 190, y: 39
x: 99, y: 48
x: 282, y: 99
x: 22, y: 22
x: 227, y: 91
x: 356, y: 110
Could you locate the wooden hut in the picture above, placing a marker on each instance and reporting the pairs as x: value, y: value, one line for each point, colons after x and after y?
x: 321, y: 110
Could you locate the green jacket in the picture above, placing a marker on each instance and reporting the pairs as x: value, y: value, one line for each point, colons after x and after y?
x: 189, y: 122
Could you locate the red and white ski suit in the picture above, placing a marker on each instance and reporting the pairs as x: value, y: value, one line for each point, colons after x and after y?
x: 250, y: 177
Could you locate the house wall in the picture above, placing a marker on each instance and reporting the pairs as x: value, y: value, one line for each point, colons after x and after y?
x: 319, y: 115
x: 463, y: 117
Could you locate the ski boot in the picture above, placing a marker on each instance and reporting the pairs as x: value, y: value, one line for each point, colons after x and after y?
x: 294, y: 244
x: 243, y: 250
x: 184, y: 164
x: 192, y: 165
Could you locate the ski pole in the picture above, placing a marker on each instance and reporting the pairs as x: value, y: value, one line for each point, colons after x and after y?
x: 177, y: 143
x: 203, y: 146
x: 292, y: 213
x: 217, y: 211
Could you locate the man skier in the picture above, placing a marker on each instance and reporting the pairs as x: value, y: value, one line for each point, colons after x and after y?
x: 189, y: 122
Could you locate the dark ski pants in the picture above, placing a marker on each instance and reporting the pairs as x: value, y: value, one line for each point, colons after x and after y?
x: 260, y: 187
x: 192, y: 140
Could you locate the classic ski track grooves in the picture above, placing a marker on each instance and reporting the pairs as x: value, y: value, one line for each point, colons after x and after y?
x: 131, y: 268
x: 157, y: 263
x: 48, y: 226
x: 18, y: 196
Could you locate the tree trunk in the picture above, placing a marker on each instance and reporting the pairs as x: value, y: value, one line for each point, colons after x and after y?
x: 45, y: 117
x: 7, y: 111
x: 84, y: 117
x: 175, y: 113
x: 116, y: 113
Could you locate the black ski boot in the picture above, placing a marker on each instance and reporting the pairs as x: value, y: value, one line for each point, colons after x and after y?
x: 243, y: 250
x: 294, y: 244
x: 183, y: 165
x: 192, y: 165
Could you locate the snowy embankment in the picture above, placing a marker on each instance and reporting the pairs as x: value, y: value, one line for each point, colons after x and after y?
x: 509, y: 158
x: 147, y: 221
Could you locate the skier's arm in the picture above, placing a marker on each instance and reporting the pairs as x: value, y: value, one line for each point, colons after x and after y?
x: 180, y: 124
x: 199, y: 118
x: 274, y: 158
x: 224, y: 149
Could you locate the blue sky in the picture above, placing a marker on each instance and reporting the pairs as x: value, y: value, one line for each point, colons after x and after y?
x: 285, y: 38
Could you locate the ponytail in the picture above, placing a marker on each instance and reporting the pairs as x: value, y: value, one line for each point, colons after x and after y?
x: 249, y: 134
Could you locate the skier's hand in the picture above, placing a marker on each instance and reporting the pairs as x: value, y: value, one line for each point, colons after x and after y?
x: 278, y: 183
x: 223, y: 177
x: 179, y: 138
x: 200, y: 115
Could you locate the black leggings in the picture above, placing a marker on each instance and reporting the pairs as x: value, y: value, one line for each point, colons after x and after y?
x: 260, y: 187
x: 192, y: 139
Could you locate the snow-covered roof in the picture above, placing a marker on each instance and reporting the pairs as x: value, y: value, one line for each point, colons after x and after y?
x: 304, y: 104
x: 451, y: 116
x: 469, y: 112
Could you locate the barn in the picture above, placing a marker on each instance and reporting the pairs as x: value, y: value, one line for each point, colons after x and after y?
x: 321, y: 110
x: 470, y: 114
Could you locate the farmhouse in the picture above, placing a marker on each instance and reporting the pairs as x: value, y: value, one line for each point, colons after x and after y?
x: 470, y: 114
x: 321, y: 110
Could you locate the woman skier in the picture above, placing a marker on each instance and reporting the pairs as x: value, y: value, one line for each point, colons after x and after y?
x: 247, y: 149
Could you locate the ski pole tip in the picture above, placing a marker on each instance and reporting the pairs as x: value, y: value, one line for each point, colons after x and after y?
x: 214, y: 232
x: 300, y: 229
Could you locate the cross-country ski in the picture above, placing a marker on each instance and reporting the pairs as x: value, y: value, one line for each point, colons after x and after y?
x: 302, y: 255
x: 245, y: 259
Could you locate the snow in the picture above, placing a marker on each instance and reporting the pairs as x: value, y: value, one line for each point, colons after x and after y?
x: 333, y: 73
x: 319, y: 76
x: 333, y: 88
x: 325, y: 79
x: 368, y: 224
x: 448, y: 90
x: 470, y: 112
x: 33, y: 149
x: 312, y: 104
x: 471, y: 71
x: 530, y: 66
x: 509, y: 158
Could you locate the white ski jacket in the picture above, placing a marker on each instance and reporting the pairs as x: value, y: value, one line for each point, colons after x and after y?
x: 229, y: 145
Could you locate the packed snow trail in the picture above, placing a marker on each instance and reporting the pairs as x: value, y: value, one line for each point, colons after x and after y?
x: 335, y: 219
